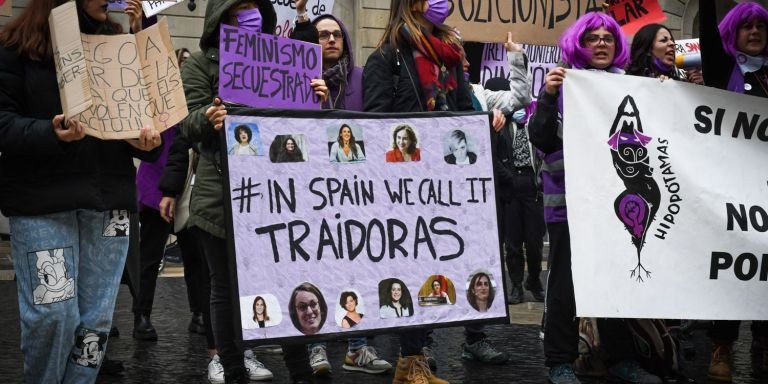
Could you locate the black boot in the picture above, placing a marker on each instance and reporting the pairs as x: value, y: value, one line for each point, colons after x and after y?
x: 536, y: 289
x: 516, y: 296
x: 143, y: 329
x: 196, y: 325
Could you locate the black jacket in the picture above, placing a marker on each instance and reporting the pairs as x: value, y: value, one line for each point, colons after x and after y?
x: 175, y: 172
x: 40, y: 174
x: 391, y: 83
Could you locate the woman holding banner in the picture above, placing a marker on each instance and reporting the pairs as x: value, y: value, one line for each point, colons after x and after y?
x: 735, y: 57
x: 420, y: 58
x: 594, y: 42
x: 63, y: 192
x: 200, y: 76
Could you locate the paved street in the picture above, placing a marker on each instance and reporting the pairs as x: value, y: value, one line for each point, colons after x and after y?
x: 180, y: 357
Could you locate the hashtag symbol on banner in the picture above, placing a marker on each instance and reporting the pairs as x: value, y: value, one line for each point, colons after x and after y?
x: 245, y: 192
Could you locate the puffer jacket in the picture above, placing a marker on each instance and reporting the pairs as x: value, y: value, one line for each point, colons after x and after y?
x: 201, y: 84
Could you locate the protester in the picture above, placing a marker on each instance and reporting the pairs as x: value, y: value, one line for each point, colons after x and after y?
x: 653, y: 55
x: 595, y: 42
x: 735, y: 58
x: 202, y: 126
x: 68, y: 197
x: 415, y: 45
x: 345, y: 86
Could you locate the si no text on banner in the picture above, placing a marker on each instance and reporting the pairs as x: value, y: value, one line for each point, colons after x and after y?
x: 267, y: 71
x: 324, y: 205
x: 286, y: 12
x: 634, y: 14
x: 531, y: 21
x: 664, y: 203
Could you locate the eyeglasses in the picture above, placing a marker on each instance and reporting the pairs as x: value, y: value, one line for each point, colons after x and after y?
x: 593, y: 40
x: 302, y: 307
x: 326, y: 35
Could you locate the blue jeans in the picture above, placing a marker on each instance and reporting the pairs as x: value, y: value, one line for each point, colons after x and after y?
x: 353, y: 344
x: 68, y: 267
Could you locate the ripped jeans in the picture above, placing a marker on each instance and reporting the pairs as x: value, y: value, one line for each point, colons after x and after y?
x: 68, y: 267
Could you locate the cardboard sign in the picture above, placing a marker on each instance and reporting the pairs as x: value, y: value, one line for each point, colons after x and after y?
x: 531, y: 21
x: 134, y: 83
x: 325, y: 205
x: 152, y: 7
x: 541, y: 59
x: 71, y: 67
x: 286, y: 13
x: 634, y: 14
x: 267, y: 71
x: 6, y: 7
x: 663, y: 203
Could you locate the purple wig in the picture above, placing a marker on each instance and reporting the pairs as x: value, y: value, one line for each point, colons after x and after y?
x: 739, y: 15
x: 577, y: 56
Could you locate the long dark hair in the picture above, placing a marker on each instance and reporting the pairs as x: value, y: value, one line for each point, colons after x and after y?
x: 256, y: 300
x: 641, y: 54
x: 472, y: 297
x: 352, y: 142
x: 412, y: 140
x: 400, y: 15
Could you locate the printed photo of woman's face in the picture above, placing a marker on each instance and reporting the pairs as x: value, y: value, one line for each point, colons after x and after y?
x: 397, y: 291
x: 350, y: 304
x: 402, y: 140
x: 482, y: 288
x: 308, y: 309
x: 243, y: 136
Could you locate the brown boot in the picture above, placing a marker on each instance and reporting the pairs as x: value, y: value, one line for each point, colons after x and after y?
x: 414, y: 370
x: 720, y: 365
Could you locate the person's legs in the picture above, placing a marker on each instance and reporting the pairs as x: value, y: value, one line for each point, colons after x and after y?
x: 533, y: 220
x: 296, y: 360
x: 103, y: 250
x: 363, y: 358
x: 197, y: 281
x: 215, y: 252
x: 478, y: 348
x: 44, y: 251
x: 561, y: 328
x: 318, y: 359
x: 154, y: 235
x: 513, y: 246
x: 411, y: 366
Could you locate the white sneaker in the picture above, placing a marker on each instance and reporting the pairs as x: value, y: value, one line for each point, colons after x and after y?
x: 256, y: 370
x: 215, y: 371
x: 318, y: 359
x: 365, y: 360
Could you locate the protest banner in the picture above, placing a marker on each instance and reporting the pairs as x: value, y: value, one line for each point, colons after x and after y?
x: 267, y: 71
x: 310, y: 222
x: 286, y: 13
x: 68, y: 54
x: 687, y: 46
x: 531, y: 21
x: 152, y: 7
x: 666, y: 198
x: 6, y: 8
x: 634, y: 14
x: 541, y: 59
x: 134, y: 83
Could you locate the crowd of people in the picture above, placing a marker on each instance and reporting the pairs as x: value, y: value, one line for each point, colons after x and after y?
x: 69, y: 196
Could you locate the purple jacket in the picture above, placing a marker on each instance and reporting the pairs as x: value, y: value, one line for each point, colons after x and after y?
x: 149, y: 175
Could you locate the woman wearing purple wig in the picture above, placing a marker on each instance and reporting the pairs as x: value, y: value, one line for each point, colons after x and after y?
x: 594, y: 42
x: 734, y: 57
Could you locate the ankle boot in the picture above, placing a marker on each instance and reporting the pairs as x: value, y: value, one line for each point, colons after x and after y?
x: 414, y: 370
x: 720, y: 365
x: 143, y: 329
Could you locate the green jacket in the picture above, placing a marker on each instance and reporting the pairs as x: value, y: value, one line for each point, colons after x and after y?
x: 200, y: 76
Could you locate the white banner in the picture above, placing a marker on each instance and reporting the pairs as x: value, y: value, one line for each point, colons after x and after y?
x: 152, y: 8
x: 666, y: 198
x: 286, y: 13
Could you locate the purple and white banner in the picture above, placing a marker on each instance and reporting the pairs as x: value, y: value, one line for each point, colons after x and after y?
x: 349, y: 224
x: 666, y: 193
x: 267, y: 71
x: 541, y: 59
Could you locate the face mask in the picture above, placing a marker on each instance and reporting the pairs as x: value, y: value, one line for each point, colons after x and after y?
x: 437, y: 11
x: 518, y: 115
x: 250, y: 20
x: 466, y: 77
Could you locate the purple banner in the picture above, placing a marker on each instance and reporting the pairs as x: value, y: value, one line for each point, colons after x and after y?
x: 265, y: 71
x: 362, y: 224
